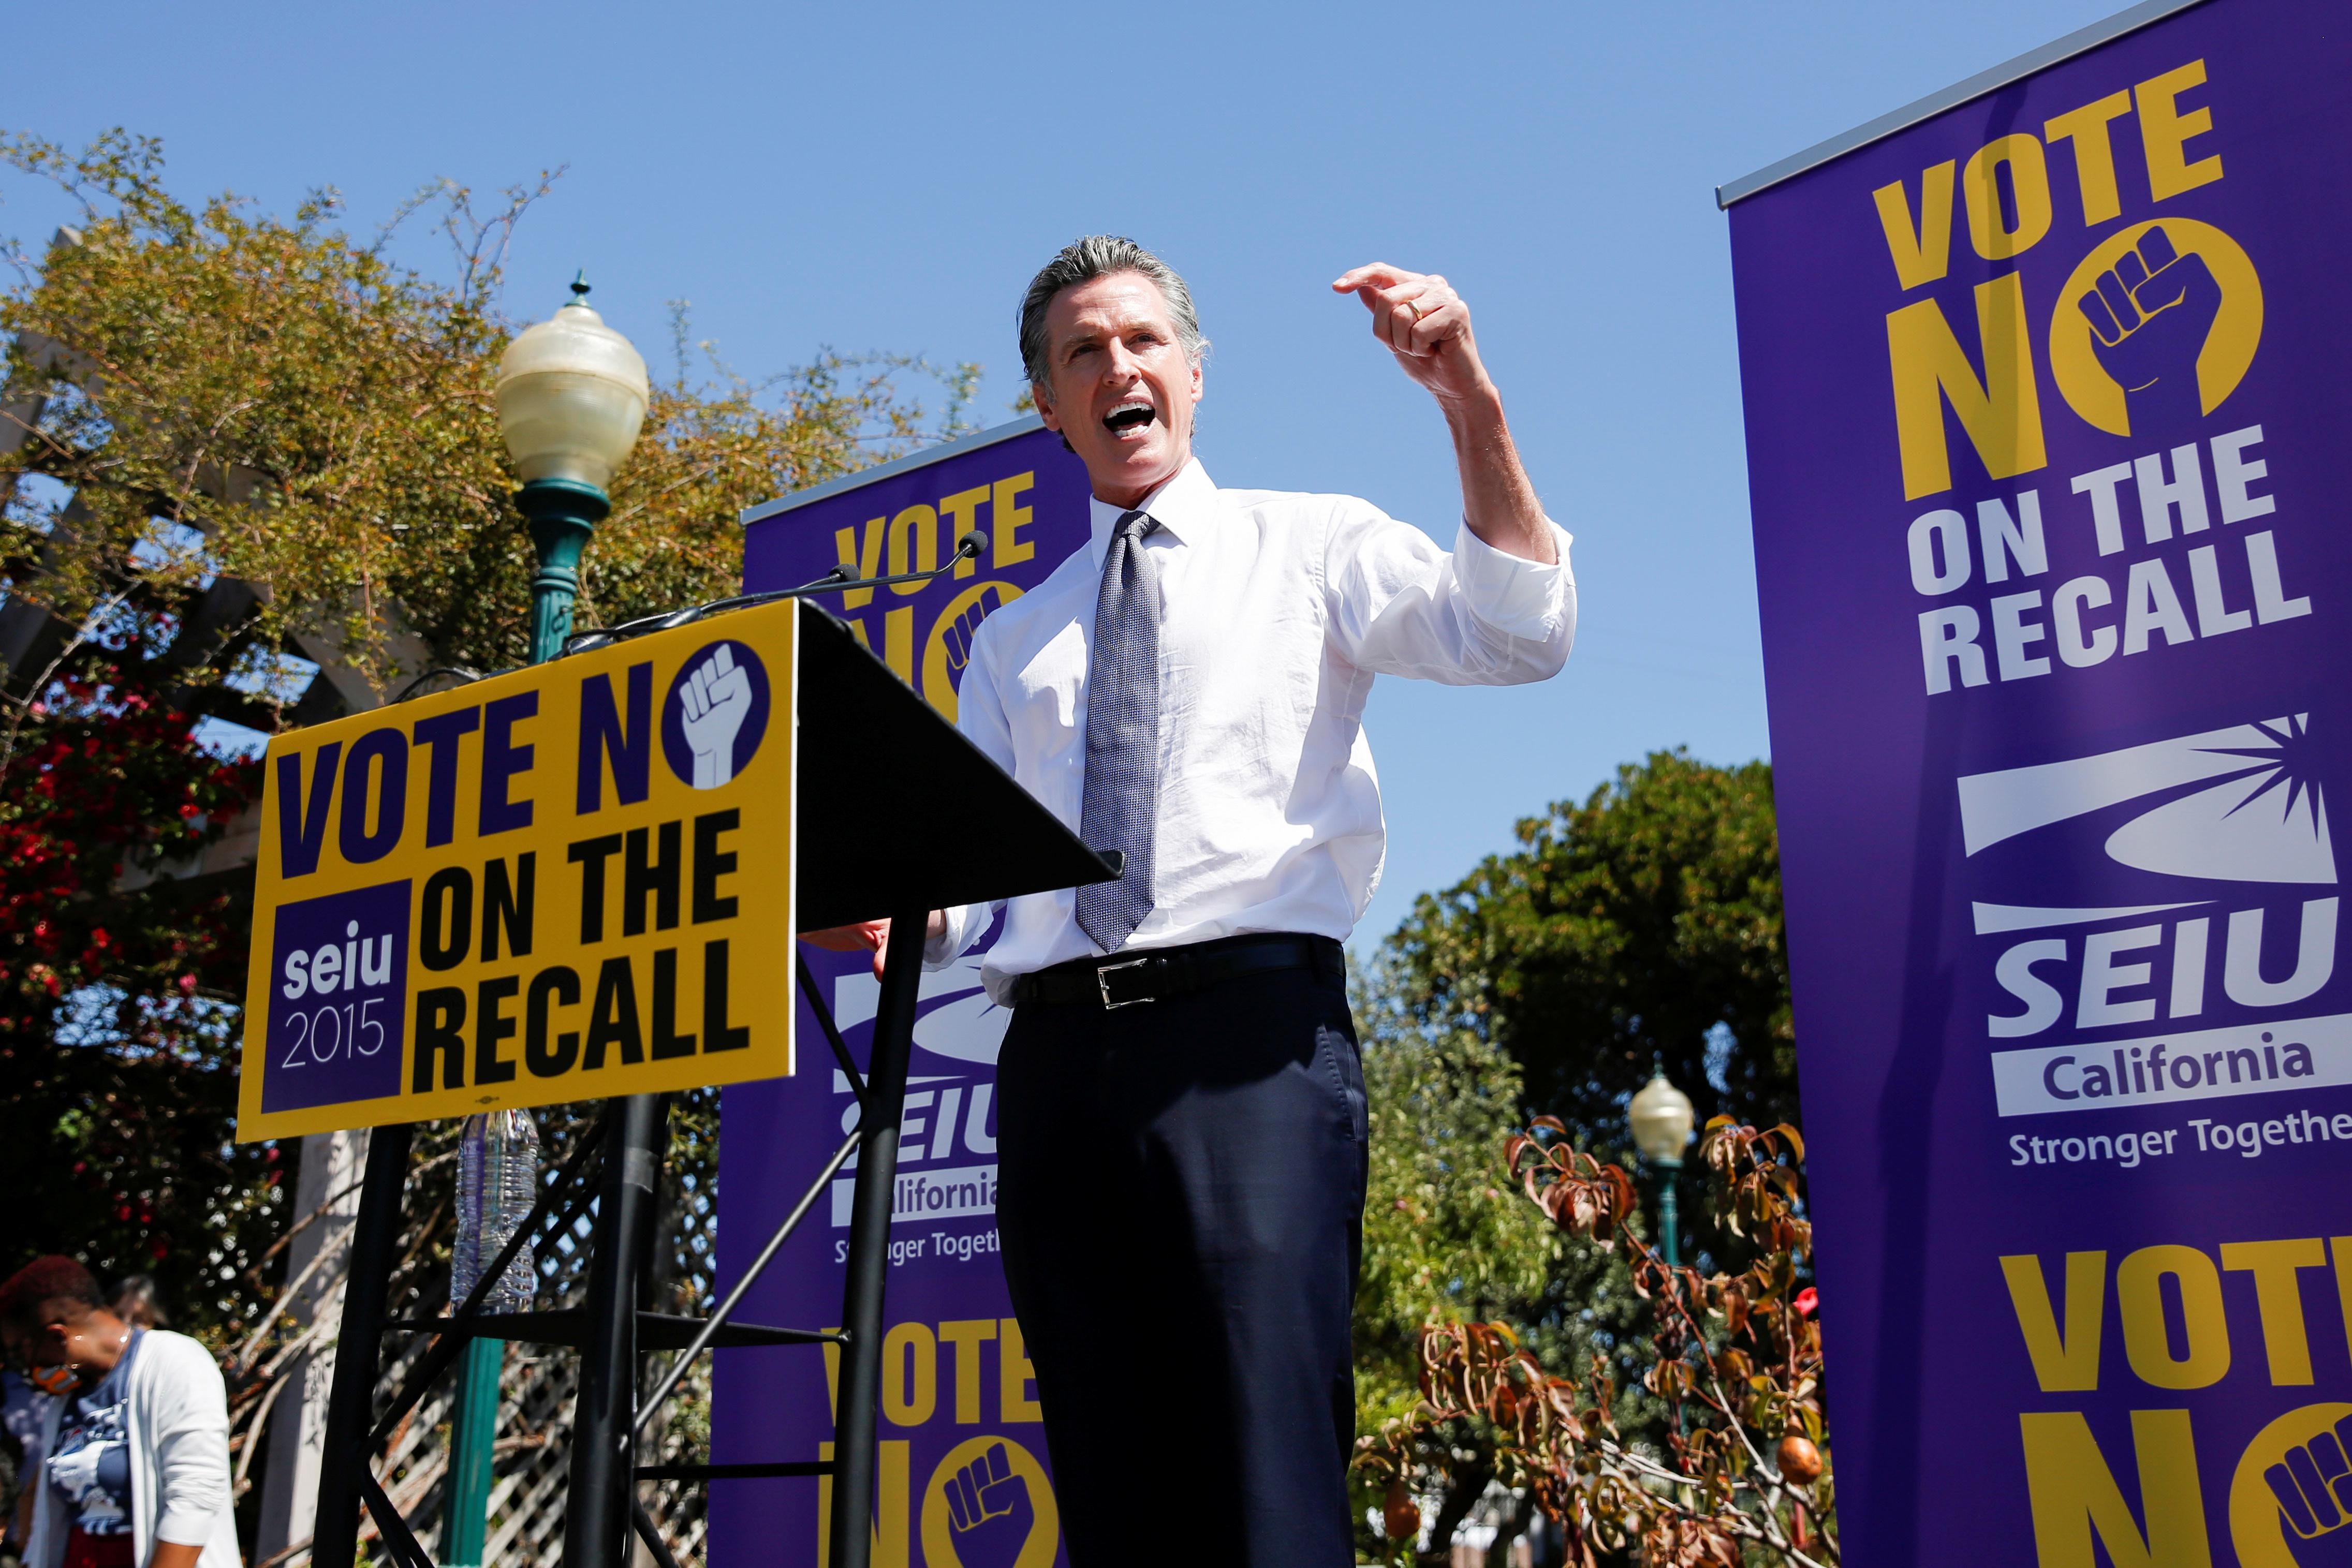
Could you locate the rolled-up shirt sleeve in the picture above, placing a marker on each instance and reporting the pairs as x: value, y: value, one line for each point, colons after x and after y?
x: 1480, y: 616
x: 965, y: 922
x: 1525, y: 598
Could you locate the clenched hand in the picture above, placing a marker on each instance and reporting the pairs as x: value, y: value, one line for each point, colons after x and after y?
x: 1420, y: 318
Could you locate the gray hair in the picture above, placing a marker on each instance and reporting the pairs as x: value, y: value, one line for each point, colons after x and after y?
x: 1097, y: 255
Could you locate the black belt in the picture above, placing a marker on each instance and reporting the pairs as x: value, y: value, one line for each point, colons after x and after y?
x: 1161, y: 973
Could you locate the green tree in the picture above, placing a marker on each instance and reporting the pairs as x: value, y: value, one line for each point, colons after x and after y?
x: 326, y: 419
x: 1642, y: 926
x: 1448, y: 1239
x: 1740, y: 1474
x: 227, y: 435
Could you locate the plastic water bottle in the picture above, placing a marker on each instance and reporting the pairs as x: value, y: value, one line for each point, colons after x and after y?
x: 497, y: 1181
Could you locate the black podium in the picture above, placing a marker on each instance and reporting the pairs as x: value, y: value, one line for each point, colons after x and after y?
x: 875, y: 762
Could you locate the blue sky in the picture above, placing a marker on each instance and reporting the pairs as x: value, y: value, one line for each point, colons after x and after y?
x: 888, y: 177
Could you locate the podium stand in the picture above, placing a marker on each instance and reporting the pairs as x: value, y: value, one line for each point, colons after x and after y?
x: 875, y: 839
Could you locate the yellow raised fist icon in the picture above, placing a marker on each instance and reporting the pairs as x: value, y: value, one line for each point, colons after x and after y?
x: 989, y: 1505
x: 2312, y: 1485
x: 2149, y: 314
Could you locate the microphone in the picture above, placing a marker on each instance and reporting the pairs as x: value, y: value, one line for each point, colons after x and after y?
x: 843, y: 576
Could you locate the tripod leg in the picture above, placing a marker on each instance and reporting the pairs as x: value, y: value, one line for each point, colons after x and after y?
x: 596, y: 1512
x: 855, y: 1415
x: 351, y: 1399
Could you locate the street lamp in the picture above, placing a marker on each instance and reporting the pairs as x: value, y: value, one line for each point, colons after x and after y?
x: 1661, y: 1115
x: 571, y: 396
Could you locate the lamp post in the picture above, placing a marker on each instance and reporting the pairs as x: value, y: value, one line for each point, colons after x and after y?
x: 1661, y: 1115
x: 572, y: 395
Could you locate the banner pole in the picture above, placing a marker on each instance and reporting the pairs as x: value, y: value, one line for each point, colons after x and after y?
x: 351, y: 1398
x: 603, y: 1482
x: 856, y: 1416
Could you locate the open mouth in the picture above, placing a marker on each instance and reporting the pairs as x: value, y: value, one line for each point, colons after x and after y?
x: 1133, y: 414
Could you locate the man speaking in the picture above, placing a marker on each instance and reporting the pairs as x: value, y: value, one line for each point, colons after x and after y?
x: 1182, y: 1124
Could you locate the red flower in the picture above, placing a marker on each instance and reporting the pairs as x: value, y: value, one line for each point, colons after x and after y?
x: 1809, y: 1302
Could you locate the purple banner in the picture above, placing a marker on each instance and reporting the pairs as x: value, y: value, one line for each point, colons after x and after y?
x: 2045, y: 395
x: 963, y: 1481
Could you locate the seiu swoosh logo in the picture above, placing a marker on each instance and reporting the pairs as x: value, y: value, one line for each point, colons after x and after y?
x: 2260, y: 816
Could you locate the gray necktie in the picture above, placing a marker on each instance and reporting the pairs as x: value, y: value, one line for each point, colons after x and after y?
x: 1122, y: 787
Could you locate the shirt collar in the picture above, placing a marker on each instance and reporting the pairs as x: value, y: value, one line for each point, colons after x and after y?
x: 1183, y: 507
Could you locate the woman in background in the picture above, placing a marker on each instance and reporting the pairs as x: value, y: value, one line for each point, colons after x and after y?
x: 137, y: 1473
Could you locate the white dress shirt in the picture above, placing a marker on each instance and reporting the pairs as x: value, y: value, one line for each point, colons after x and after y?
x: 1276, y: 613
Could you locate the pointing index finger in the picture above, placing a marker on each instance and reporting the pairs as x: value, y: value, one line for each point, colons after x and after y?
x: 1378, y: 274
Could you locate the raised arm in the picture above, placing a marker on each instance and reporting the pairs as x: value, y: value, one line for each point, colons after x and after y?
x: 1419, y: 318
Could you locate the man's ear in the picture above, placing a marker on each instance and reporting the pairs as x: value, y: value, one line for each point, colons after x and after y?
x: 1196, y: 381
x: 1043, y: 398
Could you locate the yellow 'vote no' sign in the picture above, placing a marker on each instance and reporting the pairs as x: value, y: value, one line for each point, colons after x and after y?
x: 566, y: 883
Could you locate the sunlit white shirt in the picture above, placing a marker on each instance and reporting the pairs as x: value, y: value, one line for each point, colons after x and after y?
x: 1276, y: 613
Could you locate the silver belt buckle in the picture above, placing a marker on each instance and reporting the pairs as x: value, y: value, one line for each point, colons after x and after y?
x: 1102, y: 983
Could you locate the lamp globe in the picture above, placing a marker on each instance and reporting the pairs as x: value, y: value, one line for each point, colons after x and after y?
x: 1661, y: 1117
x: 571, y: 396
